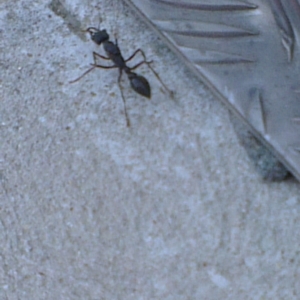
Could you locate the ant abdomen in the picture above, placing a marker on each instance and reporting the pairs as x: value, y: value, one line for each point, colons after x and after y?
x: 139, y: 84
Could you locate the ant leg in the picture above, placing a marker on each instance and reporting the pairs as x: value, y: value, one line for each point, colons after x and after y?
x: 135, y: 53
x: 148, y: 63
x: 90, y: 69
x: 121, y: 90
x: 86, y: 72
x: 95, y: 55
x: 103, y: 67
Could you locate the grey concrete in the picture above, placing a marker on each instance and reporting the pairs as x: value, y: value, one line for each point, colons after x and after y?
x: 170, y: 208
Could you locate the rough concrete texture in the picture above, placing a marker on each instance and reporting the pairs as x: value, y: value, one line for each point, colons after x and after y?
x: 170, y: 208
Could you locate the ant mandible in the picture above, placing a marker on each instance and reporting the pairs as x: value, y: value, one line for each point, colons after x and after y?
x: 138, y: 83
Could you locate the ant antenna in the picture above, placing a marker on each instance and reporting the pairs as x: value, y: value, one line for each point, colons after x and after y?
x: 115, y: 21
x: 94, y: 28
x: 116, y: 38
x: 100, y: 21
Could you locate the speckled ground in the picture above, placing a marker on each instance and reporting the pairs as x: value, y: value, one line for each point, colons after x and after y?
x: 170, y: 208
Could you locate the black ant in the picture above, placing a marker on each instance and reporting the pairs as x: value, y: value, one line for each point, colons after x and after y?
x: 138, y: 83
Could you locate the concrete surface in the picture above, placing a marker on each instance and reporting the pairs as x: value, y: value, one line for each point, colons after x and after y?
x: 170, y: 208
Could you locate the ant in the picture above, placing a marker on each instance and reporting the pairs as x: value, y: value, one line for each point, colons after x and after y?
x: 138, y: 83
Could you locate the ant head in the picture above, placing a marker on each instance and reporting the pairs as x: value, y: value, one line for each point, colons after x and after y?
x: 97, y: 35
